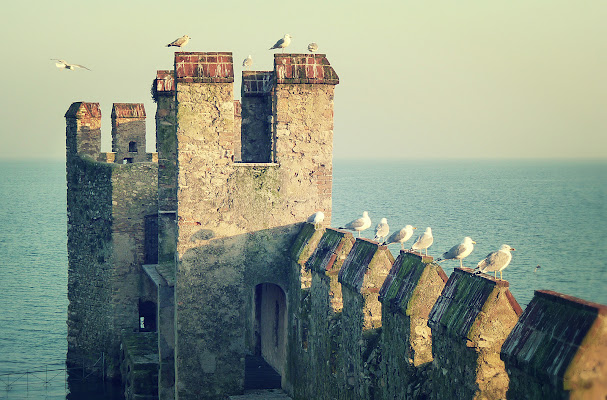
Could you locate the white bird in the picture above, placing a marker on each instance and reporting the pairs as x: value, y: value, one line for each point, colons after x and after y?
x: 359, y: 224
x: 401, y: 236
x: 382, y: 229
x: 424, y: 241
x: 496, y: 261
x: 282, y: 43
x: 247, y: 62
x: 65, y: 65
x: 460, y: 251
x: 317, y: 218
x: 182, y: 41
x: 312, y: 47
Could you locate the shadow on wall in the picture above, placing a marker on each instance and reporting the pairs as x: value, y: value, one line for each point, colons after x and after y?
x: 231, y: 301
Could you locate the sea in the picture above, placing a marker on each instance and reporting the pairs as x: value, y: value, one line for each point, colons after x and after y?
x: 553, y: 212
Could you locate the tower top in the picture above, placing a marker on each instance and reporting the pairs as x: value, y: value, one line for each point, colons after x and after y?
x: 82, y: 109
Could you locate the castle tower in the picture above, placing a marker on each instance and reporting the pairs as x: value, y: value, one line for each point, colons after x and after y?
x: 107, y: 207
x: 128, y: 133
x: 235, y: 220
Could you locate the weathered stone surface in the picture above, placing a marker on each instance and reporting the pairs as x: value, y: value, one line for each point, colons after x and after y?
x: 470, y: 320
x: 558, y: 349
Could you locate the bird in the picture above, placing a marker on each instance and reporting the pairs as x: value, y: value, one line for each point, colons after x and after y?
x: 459, y: 252
x: 359, y: 224
x: 496, y: 261
x: 382, y: 229
x: 536, y: 268
x: 317, y: 218
x: 182, y: 41
x: 65, y: 65
x: 282, y: 43
x: 247, y: 62
x: 312, y: 47
x: 424, y: 241
x: 401, y: 236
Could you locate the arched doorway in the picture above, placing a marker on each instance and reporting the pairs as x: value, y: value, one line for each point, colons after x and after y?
x: 270, y: 336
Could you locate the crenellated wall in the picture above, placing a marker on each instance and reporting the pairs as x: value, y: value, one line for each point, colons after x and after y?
x: 437, y: 338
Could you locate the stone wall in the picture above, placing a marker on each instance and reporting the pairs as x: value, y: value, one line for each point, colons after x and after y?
x: 235, y: 221
x: 437, y: 338
x: 107, y: 206
x: 128, y: 133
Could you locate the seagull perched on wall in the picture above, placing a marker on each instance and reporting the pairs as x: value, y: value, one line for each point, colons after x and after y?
x: 401, y: 236
x: 65, y: 65
x: 317, y: 218
x: 182, y: 41
x: 424, y: 241
x: 359, y: 224
x: 496, y: 261
x: 282, y: 43
x: 247, y: 62
x: 459, y: 252
x: 312, y: 47
x: 382, y: 229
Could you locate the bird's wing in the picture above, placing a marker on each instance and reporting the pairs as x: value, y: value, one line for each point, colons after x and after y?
x: 277, y: 44
x: 80, y: 66
x: 494, y: 261
x: 357, y: 223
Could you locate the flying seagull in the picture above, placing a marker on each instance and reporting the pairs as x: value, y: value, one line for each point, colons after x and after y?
x: 401, y: 236
x: 182, y: 41
x: 317, y: 218
x: 424, y: 241
x: 247, y: 62
x: 312, y: 47
x: 282, y: 43
x: 382, y: 229
x: 359, y: 224
x: 459, y: 252
x: 496, y: 261
x: 65, y: 65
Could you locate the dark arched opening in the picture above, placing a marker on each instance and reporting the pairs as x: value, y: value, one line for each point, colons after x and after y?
x: 147, y: 316
x: 264, y: 370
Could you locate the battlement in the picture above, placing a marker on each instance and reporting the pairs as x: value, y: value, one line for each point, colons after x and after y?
x: 304, y: 68
x: 209, y: 67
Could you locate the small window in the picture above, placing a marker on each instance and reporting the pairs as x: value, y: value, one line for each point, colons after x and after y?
x: 127, y: 161
x: 132, y: 147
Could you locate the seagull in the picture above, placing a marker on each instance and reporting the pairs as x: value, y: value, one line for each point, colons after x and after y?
x: 247, y: 62
x: 312, y: 47
x: 317, y: 218
x: 182, y: 41
x: 496, y: 261
x: 424, y: 241
x: 282, y: 43
x: 401, y: 236
x: 359, y: 224
x: 460, y: 251
x: 382, y: 229
x: 65, y: 65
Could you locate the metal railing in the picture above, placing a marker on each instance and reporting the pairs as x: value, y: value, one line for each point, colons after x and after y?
x: 43, y: 377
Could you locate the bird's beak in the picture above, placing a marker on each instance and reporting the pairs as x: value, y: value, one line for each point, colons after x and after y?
x: 414, y: 228
x: 512, y: 249
x: 473, y: 242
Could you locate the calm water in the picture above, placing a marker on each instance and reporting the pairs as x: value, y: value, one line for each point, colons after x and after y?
x: 553, y: 213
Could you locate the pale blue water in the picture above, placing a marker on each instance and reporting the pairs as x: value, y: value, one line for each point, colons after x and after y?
x: 554, y: 213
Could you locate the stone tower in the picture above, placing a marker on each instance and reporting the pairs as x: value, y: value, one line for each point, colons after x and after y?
x: 235, y: 220
x: 107, y: 204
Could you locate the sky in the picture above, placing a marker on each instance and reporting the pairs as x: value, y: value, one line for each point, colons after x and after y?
x: 418, y: 79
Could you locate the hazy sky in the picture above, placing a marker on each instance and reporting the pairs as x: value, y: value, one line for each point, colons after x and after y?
x: 419, y: 79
